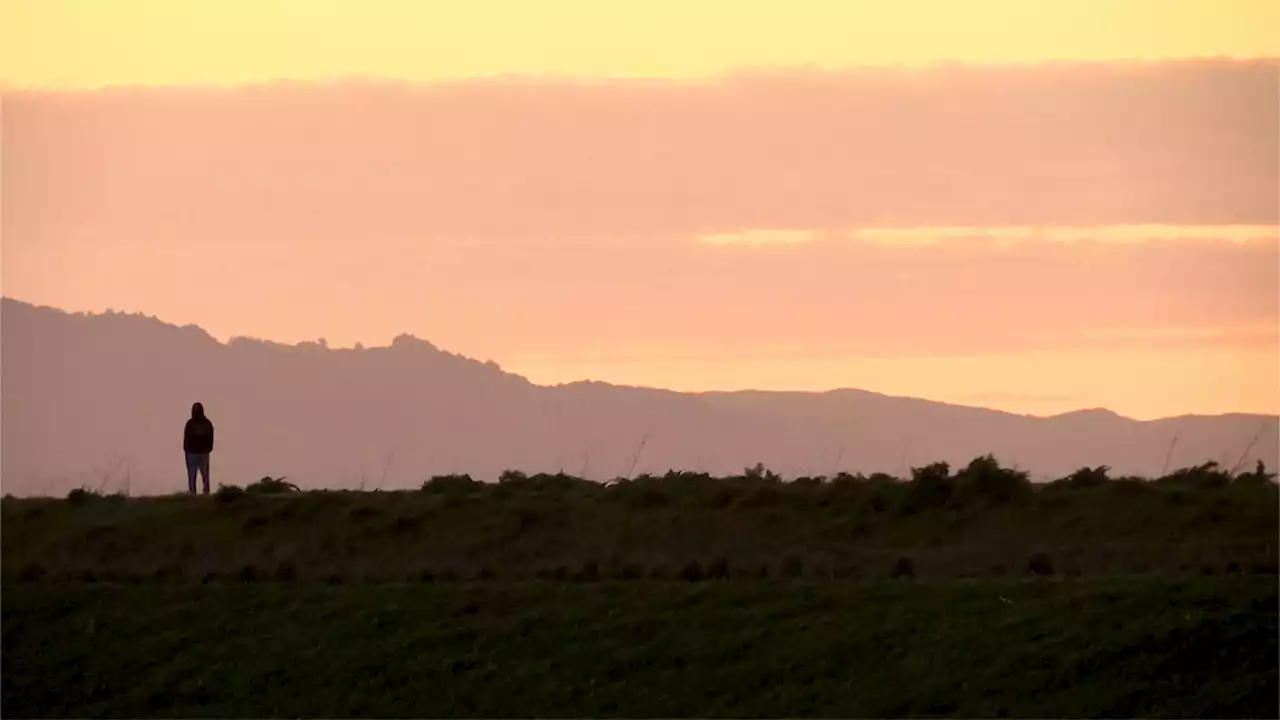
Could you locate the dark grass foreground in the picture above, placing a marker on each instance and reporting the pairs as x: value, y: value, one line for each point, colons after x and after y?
x: 1120, y: 647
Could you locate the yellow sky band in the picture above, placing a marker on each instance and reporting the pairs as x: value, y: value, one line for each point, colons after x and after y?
x: 90, y: 43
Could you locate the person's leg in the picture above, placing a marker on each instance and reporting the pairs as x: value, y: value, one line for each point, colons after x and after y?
x: 204, y: 471
x: 192, y: 466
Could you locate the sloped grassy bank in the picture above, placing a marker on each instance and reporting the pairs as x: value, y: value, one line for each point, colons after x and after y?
x: 1119, y: 647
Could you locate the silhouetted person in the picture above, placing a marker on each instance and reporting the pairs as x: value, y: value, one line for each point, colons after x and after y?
x: 197, y: 442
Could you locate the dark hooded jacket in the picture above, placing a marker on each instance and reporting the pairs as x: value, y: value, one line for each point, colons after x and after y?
x: 198, y: 436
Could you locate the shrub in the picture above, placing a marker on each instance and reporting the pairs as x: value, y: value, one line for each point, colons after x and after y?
x: 270, y: 486
x: 81, y: 495
x: 228, y: 494
x: 718, y: 569
x: 983, y: 479
x: 691, y: 572
x: 931, y: 487
x: 589, y: 572
x: 843, y: 487
x: 1207, y: 475
x: 448, y: 484
x: 1086, y: 477
x: 760, y: 472
x: 558, y: 483
x: 903, y: 567
x: 1040, y: 564
x: 512, y: 477
x: 286, y: 571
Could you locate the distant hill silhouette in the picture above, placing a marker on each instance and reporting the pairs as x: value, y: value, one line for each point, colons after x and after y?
x: 100, y: 400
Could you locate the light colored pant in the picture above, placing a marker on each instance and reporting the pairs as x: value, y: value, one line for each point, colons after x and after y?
x: 197, y: 462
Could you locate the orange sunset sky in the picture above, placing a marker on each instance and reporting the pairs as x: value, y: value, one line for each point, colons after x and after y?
x: 1032, y: 205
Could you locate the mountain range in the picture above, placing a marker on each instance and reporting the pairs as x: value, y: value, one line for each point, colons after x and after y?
x: 100, y: 400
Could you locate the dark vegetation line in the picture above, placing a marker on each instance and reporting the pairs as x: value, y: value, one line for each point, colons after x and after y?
x: 982, y: 479
x: 981, y: 521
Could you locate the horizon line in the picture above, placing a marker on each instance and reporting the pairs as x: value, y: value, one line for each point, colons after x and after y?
x: 748, y: 71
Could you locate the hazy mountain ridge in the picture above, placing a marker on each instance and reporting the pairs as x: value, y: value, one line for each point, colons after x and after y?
x: 101, y: 399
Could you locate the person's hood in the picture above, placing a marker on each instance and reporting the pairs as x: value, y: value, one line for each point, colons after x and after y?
x: 197, y: 412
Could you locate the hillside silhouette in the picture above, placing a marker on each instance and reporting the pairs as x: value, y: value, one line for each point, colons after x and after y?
x: 99, y: 401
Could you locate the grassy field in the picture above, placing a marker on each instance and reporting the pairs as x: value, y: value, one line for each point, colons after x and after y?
x: 1201, y: 647
x: 965, y: 594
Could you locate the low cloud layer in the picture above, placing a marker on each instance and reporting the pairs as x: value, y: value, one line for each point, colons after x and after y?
x: 1185, y: 142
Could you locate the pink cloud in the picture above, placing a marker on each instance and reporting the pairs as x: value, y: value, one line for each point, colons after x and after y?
x: 1175, y: 142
